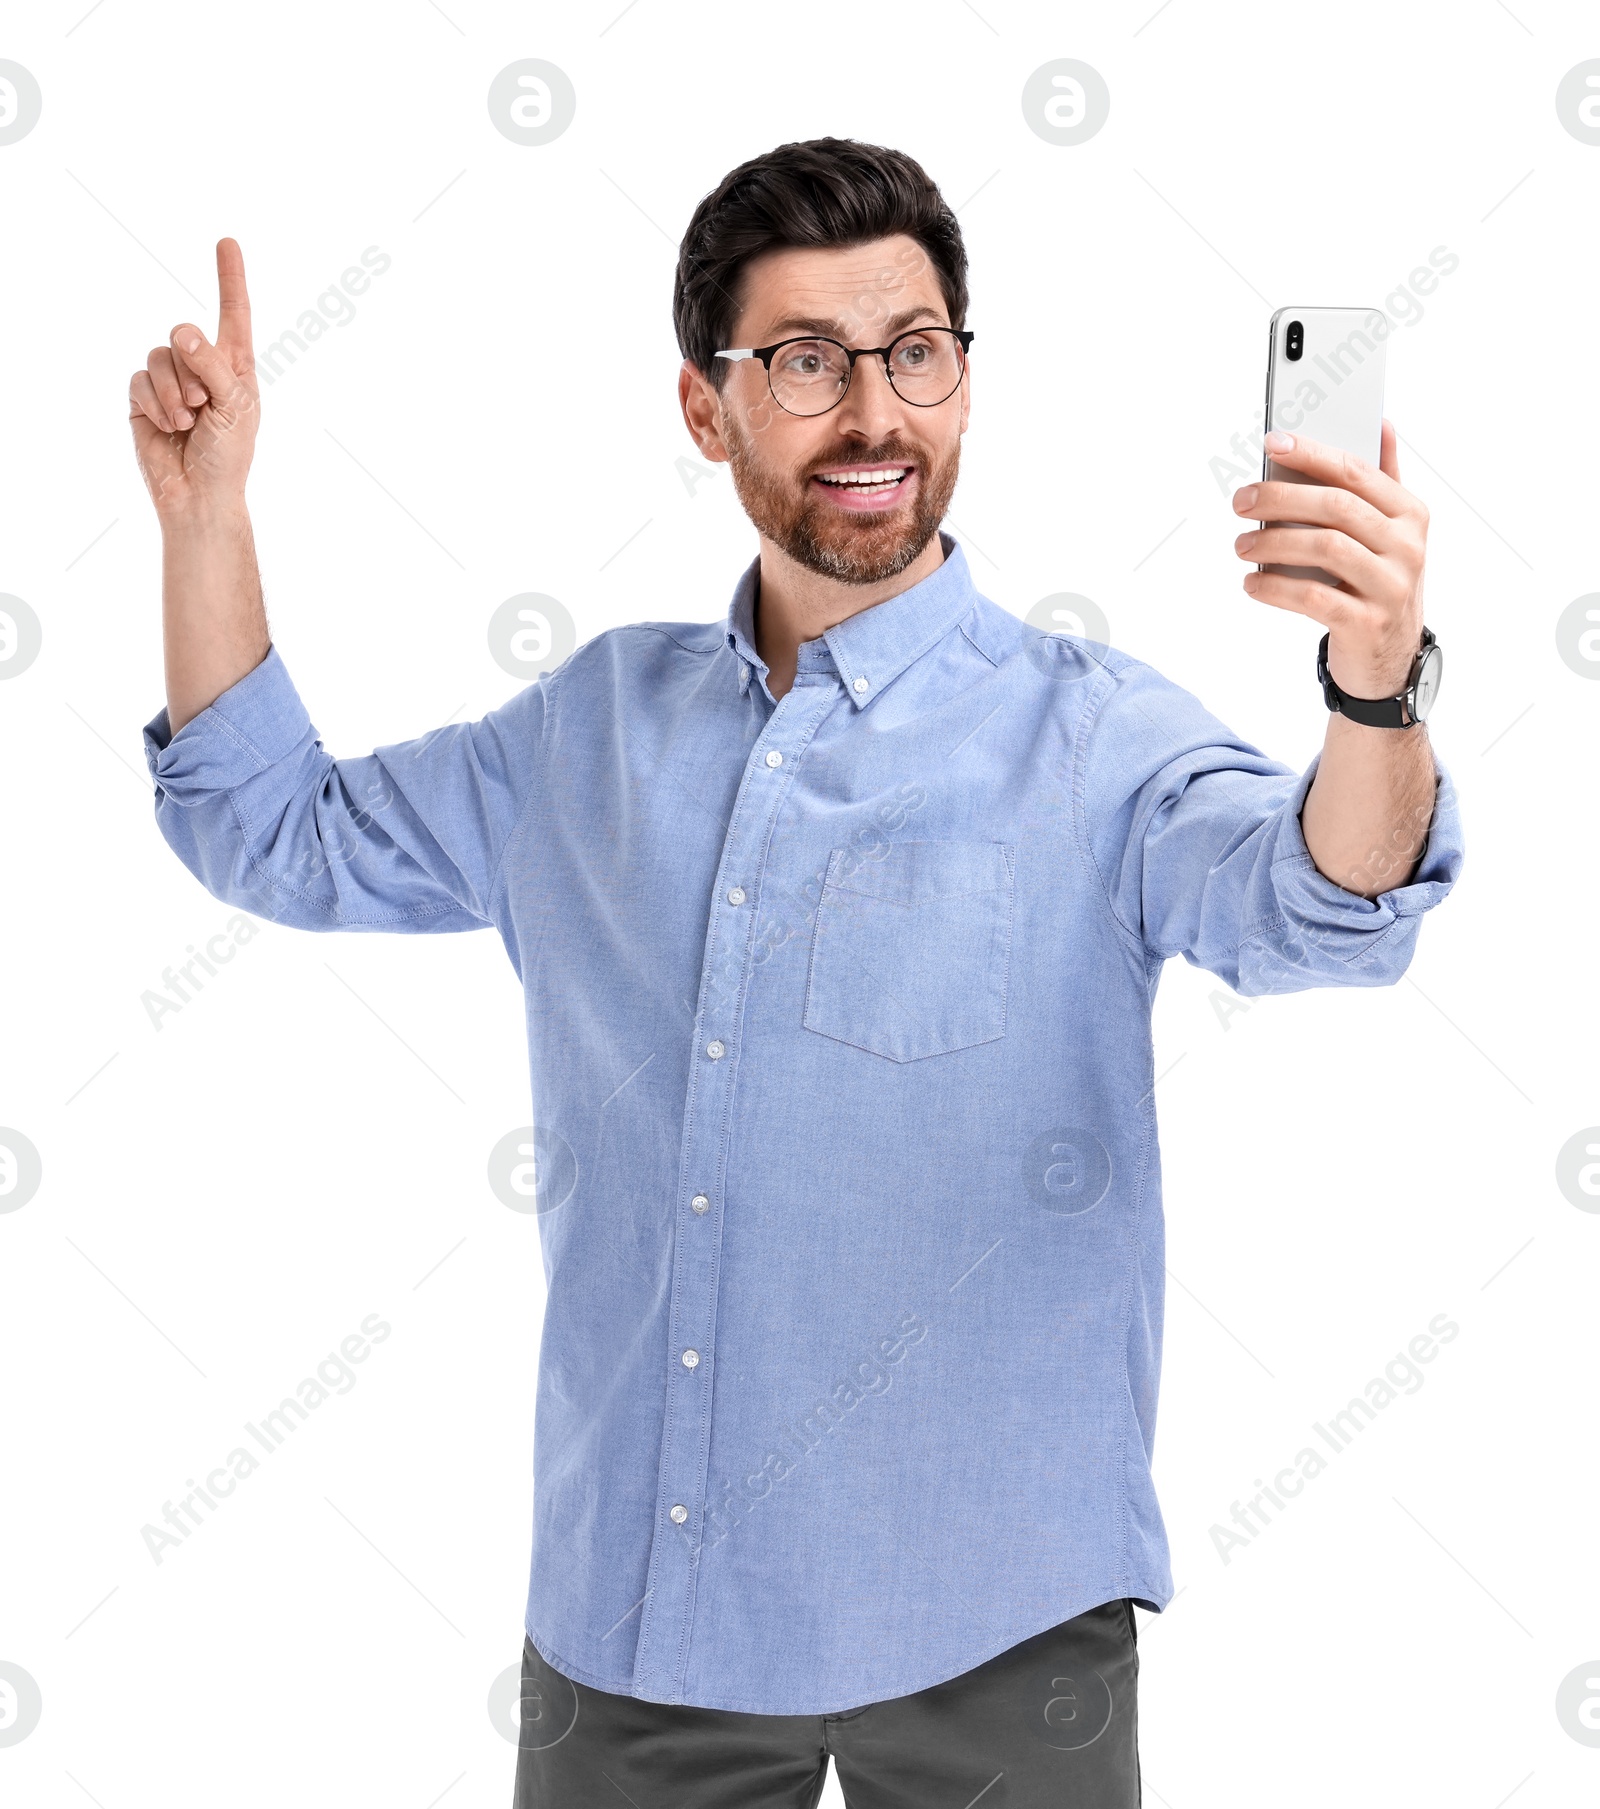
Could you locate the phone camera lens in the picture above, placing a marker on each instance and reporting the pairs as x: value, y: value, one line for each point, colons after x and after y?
x: 1294, y: 341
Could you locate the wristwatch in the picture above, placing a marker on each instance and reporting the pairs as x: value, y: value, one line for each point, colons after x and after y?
x: 1403, y: 711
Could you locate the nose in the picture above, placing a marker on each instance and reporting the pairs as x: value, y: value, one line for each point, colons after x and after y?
x: 870, y: 406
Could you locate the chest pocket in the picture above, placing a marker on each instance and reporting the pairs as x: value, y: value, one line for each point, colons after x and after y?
x: 911, y: 952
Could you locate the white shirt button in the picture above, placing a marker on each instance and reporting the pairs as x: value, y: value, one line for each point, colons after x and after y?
x: 700, y: 1203
x: 736, y: 895
x: 678, y: 1514
x: 859, y: 685
x: 716, y: 1050
x: 774, y: 758
x: 691, y: 1359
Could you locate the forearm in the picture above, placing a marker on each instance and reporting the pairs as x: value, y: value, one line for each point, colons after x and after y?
x: 1366, y: 817
x: 213, y: 617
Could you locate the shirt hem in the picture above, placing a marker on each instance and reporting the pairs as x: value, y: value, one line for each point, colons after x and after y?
x: 1144, y: 1593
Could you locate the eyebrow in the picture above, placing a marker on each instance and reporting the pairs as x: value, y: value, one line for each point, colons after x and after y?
x: 834, y: 329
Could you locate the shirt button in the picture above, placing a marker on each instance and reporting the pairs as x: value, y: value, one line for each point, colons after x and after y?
x: 716, y: 1051
x: 700, y: 1203
x: 774, y: 758
x: 859, y: 685
x: 691, y: 1359
x: 678, y: 1514
x: 736, y: 895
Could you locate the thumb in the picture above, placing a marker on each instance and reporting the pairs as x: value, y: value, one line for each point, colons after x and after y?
x: 209, y: 365
x: 1389, y: 454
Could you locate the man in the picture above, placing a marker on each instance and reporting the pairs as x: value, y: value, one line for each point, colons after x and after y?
x: 839, y: 923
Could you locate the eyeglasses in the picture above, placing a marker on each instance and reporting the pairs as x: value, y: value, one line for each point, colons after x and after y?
x: 924, y: 366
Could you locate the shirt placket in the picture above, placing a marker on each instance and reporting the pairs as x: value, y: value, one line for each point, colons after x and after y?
x: 667, y: 1607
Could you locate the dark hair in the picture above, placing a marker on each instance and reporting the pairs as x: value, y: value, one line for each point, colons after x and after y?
x: 822, y: 192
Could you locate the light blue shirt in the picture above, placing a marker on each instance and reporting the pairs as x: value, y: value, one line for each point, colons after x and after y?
x: 838, y: 1013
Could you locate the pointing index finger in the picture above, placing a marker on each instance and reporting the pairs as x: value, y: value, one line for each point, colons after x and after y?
x: 1332, y: 465
x: 233, y: 319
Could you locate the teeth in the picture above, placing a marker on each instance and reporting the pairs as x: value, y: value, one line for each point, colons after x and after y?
x: 890, y: 475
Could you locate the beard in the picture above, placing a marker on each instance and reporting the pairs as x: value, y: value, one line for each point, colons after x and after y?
x: 848, y: 546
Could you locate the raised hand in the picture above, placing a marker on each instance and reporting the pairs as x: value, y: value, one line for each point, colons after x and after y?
x: 1367, y: 814
x: 195, y: 406
x: 1362, y: 528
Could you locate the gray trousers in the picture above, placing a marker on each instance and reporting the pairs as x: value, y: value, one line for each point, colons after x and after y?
x: 1050, y: 1722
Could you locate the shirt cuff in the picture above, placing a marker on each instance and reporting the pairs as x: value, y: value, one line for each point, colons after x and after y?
x: 1297, y: 876
x: 250, y: 727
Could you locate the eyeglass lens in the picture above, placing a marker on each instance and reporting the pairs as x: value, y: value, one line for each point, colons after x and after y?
x: 809, y: 376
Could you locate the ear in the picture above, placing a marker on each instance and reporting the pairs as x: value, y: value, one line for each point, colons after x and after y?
x: 702, y: 413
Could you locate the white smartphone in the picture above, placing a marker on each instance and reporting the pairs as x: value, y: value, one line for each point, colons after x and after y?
x: 1325, y: 377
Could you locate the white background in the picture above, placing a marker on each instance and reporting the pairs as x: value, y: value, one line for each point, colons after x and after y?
x: 304, y: 1143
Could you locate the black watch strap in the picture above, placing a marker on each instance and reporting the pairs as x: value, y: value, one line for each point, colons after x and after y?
x: 1375, y: 712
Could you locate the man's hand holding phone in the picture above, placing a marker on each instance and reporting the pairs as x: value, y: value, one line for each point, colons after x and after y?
x: 1358, y: 524
x: 1366, y: 817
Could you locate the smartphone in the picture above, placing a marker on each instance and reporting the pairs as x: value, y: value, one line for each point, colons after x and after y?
x: 1324, y: 378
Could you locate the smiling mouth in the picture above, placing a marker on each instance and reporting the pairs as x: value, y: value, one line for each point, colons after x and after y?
x: 866, y: 481
x: 870, y: 480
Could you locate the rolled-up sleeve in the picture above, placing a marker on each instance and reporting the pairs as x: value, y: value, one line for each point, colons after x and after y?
x: 407, y: 838
x: 1196, y: 837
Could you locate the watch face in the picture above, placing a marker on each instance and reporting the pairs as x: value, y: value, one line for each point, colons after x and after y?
x: 1426, y: 688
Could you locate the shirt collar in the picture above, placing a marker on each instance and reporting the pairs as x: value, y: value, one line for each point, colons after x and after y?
x: 876, y: 644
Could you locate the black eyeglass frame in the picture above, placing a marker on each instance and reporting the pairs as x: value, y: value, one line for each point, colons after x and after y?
x: 963, y: 337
